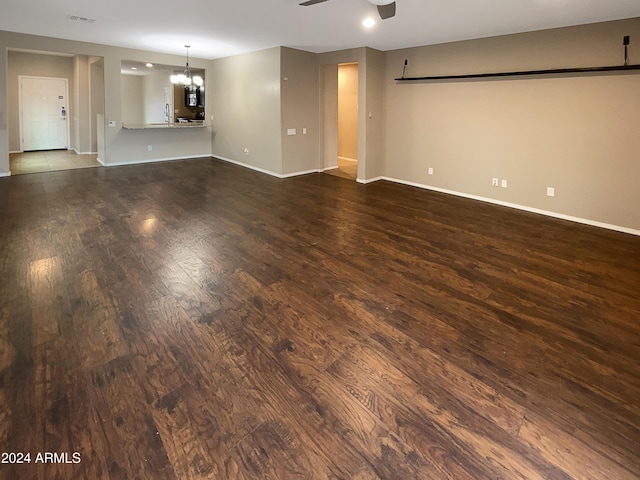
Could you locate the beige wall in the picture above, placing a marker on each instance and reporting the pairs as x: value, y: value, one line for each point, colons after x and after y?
x: 348, y: 111
x: 96, y: 80
x: 131, y: 92
x: 82, y: 105
x: 299, y: 109
x: 374, y: 115
x: 153, y: 93
x: 328, y: 114
x: 243, y: 93
x: 576, y: 133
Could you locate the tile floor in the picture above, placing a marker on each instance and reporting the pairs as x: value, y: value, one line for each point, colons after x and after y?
x: 49, y: 161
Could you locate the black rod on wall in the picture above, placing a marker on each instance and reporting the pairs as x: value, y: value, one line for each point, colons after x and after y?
x: 561, y: 71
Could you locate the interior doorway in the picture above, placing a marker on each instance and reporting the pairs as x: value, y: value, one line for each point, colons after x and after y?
x: 348, y: 119
x: 340, y: 125
x: 44, y: 128
x: 54, y: 101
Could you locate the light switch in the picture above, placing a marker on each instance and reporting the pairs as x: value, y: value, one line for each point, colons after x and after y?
x: 291, y: 131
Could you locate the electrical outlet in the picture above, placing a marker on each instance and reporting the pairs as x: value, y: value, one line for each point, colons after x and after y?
x: 551, y: 192
x: 494, y: 182
x: 504, y: 184
x: 149, y: 148
x: 430, y: 171
x: 246, y: 151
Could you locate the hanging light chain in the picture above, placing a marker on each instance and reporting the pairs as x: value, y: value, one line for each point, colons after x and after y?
x: 186, y: 77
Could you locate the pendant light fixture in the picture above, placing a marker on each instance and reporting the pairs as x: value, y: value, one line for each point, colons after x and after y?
x: 185, y: 78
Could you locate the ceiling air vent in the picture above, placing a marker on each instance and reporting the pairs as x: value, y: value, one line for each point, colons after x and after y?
x: 76, y: 18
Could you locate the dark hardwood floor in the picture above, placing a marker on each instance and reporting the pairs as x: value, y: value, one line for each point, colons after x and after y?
x: 195, y: 319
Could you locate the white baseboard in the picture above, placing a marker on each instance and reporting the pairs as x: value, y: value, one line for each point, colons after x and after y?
x: 246, y: 165
x: 100, y: 161
x: 7, y: 174
x: 371, y: 180
x: 262, y: 170
x: 562, y: 216
x: 347, y: 159
x: 68, y: 149
x: 302, y: 172
x: 153, y: 160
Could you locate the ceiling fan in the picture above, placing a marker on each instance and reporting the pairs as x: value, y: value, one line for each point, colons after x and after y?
x: 386, y: 9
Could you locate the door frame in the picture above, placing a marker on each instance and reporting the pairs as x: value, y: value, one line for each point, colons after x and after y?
x: 341, y: 109
x: 328, y: 113
x: 66, y: 93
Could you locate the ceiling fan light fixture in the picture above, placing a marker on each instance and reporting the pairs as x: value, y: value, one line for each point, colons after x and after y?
x: 386, y: 8
x: 369, y: 22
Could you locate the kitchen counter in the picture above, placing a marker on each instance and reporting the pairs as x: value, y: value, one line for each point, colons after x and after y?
x: 147, y: 126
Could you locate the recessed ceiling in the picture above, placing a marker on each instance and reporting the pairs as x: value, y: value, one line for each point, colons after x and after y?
x: 226, y: 27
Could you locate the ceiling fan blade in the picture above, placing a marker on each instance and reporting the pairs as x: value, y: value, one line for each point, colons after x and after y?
x: 311, y: 2
x: 387, y: 11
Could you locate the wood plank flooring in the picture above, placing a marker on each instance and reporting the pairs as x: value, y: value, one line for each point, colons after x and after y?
x: 195, y: 319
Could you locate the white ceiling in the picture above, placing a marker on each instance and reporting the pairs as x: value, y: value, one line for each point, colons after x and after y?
x: 218, y: 28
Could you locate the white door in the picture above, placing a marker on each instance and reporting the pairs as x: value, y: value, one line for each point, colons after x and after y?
x: 44, y: 107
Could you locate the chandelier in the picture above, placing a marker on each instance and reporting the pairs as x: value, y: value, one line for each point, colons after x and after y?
x: 185, y: 78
